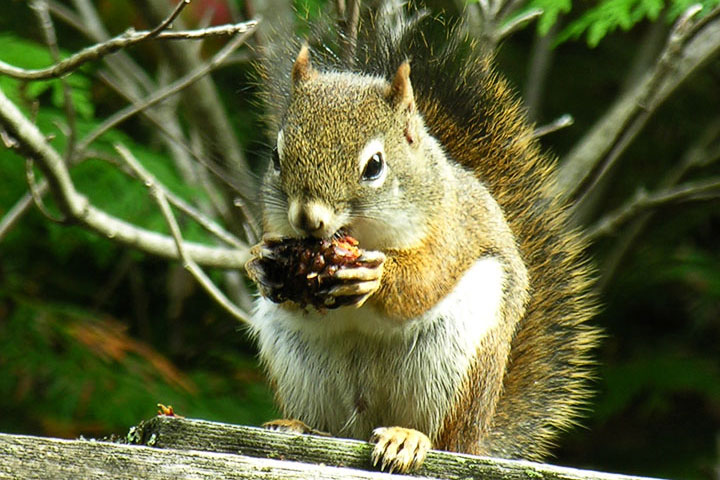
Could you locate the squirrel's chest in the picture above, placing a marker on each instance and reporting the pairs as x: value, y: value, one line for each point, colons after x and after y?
x: 349, y: 371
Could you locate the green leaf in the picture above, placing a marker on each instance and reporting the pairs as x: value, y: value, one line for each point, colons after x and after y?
x: 30, y: 55
x: 606, y: 16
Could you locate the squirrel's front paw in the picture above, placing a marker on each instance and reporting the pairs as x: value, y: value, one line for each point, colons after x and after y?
x: 399, y: 449
x: 358, y: 283
x: 257, y: 271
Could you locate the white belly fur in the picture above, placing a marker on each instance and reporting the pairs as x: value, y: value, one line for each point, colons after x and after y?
x: 350, y: 370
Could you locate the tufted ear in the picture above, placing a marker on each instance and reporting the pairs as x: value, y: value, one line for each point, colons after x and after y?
x: 302, y: 69
x: 400, y: 92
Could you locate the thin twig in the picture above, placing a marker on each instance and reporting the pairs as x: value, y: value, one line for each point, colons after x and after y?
x: 250, y: 225
x: 17, y: 211
x: 558, y: 124
x: 176, y: 140
x: 37, y: 195
x: 646, y: 103
x: 642, y: 201
x: 207, y: 111
x: 142, y: 174
x: 91, y: 25
x: 517, y: 23
x: 167, y: 91
x: 702, y: 152
x: 124, y: 40
x: 167, y: 124
x: 46, y: 24
x: 168, y: 21
x: 158, y: 192
x: 539, y: 66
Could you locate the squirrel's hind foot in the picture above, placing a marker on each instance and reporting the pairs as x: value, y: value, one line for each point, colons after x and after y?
x: 399, y: 449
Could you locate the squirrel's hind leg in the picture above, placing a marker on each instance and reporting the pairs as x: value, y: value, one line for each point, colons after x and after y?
x: 399, y: 449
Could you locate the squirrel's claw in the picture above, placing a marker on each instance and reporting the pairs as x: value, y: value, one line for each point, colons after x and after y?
x: 360, y: 274
x: 359, y: 282
x: 399, y: 449
x: 372, y: 258
x: 256, y: 272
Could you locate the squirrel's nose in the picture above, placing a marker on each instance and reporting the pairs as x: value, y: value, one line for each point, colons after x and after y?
x: 310, y: 218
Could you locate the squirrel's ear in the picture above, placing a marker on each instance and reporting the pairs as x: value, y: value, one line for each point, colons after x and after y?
x: 302, y: 69
x: 400, y: 92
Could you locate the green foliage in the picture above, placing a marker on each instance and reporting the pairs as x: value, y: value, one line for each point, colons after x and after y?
x: 656, y: 376
x: 597, y: 19
x: 609, y: 15
x: 68, y: 371
x: 552, y: 9
x: 26, y: 54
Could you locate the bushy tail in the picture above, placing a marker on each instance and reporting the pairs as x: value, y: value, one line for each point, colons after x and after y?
x: 478, y: 120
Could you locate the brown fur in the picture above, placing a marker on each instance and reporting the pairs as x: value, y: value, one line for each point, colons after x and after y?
x: 530, y: 377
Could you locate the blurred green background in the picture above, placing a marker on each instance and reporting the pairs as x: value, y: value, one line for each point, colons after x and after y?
x: 94, y: 335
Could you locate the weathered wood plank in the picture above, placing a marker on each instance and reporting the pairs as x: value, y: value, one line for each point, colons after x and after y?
x: 35, y: 458
x: 190, y: 434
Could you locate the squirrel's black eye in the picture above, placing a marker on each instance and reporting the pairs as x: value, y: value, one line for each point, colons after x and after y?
x: 374, y: 167
x: 276, y: 159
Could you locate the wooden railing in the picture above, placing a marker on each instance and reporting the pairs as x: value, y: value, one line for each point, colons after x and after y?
x: 167, y: 447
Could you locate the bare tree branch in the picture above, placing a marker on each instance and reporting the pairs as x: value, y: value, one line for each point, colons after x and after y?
x: 540, y: 63
x: 32, y: 143
x: 128, y: 79
x: 642, y: 201
x: 124, y: 40
x: 16, y: 212
x: 703, y: 152
x: 206, y: 108
x: 348, y: 20
x: 143, y: 175
x: 690, y: 45
x: 158, y: 191
x: 518, y: 23
x: 169, y: 90
x: 493, y: 20
x: 88, y: 23
x: 168, y: 21
x: 41, y: 9
x: 559, y: 123
x: 36, y: 195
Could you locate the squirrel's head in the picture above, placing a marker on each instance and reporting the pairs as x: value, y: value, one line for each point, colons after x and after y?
x: 351, y: 154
